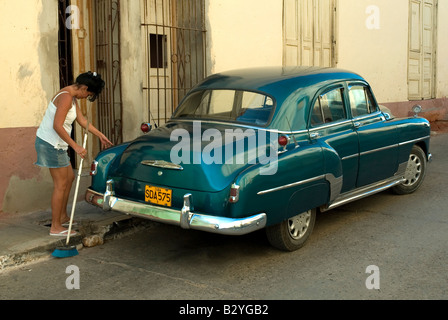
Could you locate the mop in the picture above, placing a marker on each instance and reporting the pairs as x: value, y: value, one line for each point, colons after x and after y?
x: 67, y: 250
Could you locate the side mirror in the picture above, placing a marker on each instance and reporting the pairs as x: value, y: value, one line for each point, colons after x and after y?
x: 417, y: 109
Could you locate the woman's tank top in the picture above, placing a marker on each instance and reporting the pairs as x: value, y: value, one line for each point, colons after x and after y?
x: 46, y: 131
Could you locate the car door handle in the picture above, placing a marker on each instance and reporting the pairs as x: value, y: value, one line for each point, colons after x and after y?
x: 314, y: 135
x: 357, y: 124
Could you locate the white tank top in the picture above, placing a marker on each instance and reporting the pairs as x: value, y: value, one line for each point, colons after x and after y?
x: 46, y: 131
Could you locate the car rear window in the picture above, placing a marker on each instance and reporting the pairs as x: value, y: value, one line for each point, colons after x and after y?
x: 227, y: 105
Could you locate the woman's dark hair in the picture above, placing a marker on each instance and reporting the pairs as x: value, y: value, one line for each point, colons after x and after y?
x: 93, y: 82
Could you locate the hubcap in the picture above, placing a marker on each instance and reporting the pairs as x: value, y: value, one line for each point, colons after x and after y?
x: 299, y: 224
x: 413, y: 170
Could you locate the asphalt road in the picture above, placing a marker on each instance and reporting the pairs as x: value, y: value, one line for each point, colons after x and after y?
x: 382, y: 247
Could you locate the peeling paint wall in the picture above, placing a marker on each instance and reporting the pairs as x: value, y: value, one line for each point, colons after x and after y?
x: 30, y: 76
x: 132, y: 54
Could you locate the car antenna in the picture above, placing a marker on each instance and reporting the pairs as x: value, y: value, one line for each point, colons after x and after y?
x: 150, y: 114
x: 293, y: 136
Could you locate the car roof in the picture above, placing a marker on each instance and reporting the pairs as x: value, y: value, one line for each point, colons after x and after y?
x: 275, y: 80
x: 287, y: 85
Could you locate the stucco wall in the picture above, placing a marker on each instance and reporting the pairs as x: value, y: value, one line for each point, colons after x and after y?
x: 132, y: 54
x: 28, y: 60
x: 380, y: 55
x: 244, y: 34
x: 30, y: 73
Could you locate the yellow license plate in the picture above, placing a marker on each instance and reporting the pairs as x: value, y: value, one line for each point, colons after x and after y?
x: 160, y: 196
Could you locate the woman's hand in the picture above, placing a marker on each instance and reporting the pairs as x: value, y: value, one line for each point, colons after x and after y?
x: 81, y: 151
x: 105, y: 143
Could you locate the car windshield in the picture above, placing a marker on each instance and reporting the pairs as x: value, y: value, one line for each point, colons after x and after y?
x: 227, y: 105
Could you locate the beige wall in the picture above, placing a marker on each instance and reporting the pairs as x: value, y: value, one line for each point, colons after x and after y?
x: 28, y: 60
x: 243, y: 34
x: 30, y: 72
x: 132, y: 54
x: 379, y: 55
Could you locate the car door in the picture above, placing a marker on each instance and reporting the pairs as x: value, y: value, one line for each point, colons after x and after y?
x: 378, y: 139
x: 332, y: 128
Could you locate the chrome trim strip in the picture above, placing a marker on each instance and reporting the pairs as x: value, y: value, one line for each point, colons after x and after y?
x: 413, y: 141
x: 335, y: 185
x: 331, y: 124
x: 379, y: 149
x: 364, y: 192
x: 242, y: 126
x: 162, y: 164
x: 351, y: 156
x: 298, y: 183
x: 184, y: 218
x: 368, y: 115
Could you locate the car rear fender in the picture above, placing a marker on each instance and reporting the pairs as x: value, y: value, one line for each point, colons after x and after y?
x: 105, y: 162
x: 299, y: 184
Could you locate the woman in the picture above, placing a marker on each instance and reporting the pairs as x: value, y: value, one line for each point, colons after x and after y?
x: 54, y: 137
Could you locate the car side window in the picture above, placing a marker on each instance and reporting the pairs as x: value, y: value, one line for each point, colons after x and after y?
x: 361, y: 101
x: 329, y: 107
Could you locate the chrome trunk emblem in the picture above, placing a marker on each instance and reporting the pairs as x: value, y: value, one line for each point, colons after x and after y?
x: 162, y: 164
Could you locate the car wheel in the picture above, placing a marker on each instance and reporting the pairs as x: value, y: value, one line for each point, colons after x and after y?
x: 415, y: 172
x: 292, y: 234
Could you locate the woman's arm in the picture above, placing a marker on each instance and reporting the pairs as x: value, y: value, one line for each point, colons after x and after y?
x: 82, y: 121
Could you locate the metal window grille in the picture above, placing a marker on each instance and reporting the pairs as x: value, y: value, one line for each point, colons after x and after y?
x: 110, y: 113
x: 174, y: 43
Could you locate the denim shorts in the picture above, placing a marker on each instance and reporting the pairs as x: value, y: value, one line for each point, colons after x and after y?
x: 49, y: 157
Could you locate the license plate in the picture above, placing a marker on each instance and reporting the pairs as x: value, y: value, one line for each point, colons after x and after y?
x: 160, y: 196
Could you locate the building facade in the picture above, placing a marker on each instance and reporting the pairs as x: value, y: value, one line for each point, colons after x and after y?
x: 151, y: 52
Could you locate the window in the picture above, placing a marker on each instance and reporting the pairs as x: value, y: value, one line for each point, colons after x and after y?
x: 157, y: 43
x: 227, y: 105
x: 361, y: 101
x: 329, y: 107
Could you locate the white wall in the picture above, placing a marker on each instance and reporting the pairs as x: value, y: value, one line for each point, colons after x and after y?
x: 28, y: 60
x: 379, y: 55
x: 243, y: 34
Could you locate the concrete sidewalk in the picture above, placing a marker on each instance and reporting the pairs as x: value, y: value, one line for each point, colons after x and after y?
x: 25, y: 237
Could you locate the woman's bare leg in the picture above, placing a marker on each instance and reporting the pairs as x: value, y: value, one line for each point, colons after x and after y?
x: 59, y: 199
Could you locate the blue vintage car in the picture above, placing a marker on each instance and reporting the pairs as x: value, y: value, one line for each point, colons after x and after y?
x: 264, y: 148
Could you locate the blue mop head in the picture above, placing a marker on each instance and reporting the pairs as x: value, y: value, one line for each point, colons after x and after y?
x: 65, y: 252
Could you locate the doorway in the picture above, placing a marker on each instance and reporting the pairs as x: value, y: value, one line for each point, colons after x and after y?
x: 422, y: 49
x: 66, y: 77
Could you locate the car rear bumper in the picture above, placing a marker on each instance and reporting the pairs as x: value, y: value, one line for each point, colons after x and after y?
x: 184, y: 218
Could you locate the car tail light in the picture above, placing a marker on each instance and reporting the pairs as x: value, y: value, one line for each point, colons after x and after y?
x: 146, y: 127
x: 234, y: 193
x: 283, y: 140
x: 94, y: 168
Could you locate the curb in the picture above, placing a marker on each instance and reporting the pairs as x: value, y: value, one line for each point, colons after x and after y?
x: 90, y: 234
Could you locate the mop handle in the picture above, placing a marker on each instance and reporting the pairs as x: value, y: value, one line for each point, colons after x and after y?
x: 75, y: 196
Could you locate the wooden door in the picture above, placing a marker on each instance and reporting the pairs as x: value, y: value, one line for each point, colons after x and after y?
x: 422, y: 44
